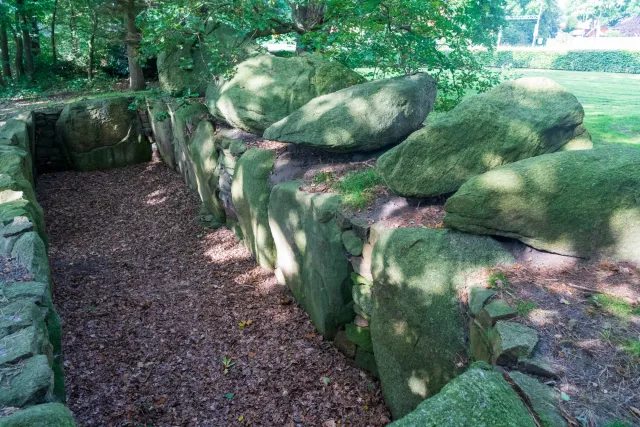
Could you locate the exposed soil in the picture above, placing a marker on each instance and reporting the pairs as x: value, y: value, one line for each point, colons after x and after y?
x: 152, y: 303
x: 584, y: 338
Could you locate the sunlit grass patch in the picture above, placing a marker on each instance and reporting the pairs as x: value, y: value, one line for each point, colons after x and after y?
x: 498, y: 280
x: 525, y: 307
x: 616, y: 306
x: 357, y: 189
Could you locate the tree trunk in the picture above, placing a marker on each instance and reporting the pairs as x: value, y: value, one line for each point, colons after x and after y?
x: 35, y: 36
x: 54, y: 54
x: 75, y: 48
x: 92, y: 44
x: 19, y: 50
x: 26, y: 38
x: 4, y: 45
x: 132, y: 40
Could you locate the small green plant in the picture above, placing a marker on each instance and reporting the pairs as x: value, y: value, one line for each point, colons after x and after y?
x: 323, y: 177
x: 227, y: 364
x: 357, y: 189
x: 525, y: 307
x: 161, y: 116
x: 632, y: 347
x: 498, y: 280
x: 615, y: 306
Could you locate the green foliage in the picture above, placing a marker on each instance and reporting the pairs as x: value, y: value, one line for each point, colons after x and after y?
x: 357, y: 189
x: 632, y: 347
x: 498, y: 280
x: 583, y: 60
x: 324, y: 178
x: 525, y: 307
x: 615, y: 306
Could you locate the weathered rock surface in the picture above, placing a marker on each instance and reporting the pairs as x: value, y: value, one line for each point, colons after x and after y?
x: 161, y: 128
x: 267, y: 88
x: 511, y: 341
x: 47, y: 415
x: 102, y: 134
x: 190, y: 66
x: 514, y: 121
x: 27, y: 382
x: 544, y: 399
x: 203, y: 156
x: 418, y: 326
x: 250, y: 194
x: 310, y: 254
x: 580, y: 203
x: 184, y: 122
x: 479, y: 397
x: 363, y: 117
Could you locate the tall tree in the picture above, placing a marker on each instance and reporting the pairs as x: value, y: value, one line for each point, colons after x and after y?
x: 92, y: 42
x: 132, y: 40
x: 4, y: 43
x: 54, y: 53
x: 24, y: 25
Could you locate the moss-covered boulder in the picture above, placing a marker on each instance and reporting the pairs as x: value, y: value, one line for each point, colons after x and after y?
x: 267, y: 88
x: 15, y: 132
x: 581, y: 203
x: 363, y: 117
x: 47, y: 415
x: 479, y: 397
x: 418, y: 323
x: 102, y: 133
x: 513, y: 121
x: 160, y: 120
x: 250, y: 192
x: 26, y: 383
x: 310, y: 254
x: 191, y: 63
x: 204, y: 158
x: 185, y: 118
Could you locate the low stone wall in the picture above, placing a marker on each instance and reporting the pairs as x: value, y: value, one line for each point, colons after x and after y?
x: 31, y: 370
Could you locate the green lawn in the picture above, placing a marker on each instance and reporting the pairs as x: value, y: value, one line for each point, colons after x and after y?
x: 611, y: 102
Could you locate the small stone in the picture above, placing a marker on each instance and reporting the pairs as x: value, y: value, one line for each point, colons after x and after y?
x: 342, y: 221
x: 481, y: 349
x: 358, y: 310
x: 512, y: 341
x: 494, y: 311
x: 536, y: 366
x: 360, y: 321
x: 360, y: 336
x: 571, y: 324
x: 478, y: 296
x: 361, y: 228
x: 346, y: 346
x: 544, y: 399
x: 367, y: 361
x: 352, y: 243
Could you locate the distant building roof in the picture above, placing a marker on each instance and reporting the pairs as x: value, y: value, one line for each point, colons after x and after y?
x: 629, y: 27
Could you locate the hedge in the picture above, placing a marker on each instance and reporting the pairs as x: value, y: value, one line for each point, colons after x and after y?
x: 576, y: 60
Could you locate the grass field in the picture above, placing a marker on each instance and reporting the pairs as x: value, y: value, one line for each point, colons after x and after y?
x: 611, y: 102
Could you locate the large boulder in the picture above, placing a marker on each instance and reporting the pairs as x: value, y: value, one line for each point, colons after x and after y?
x: 267, y: 88
x: 479, y: 397
x: 580, y: 203
x: 204, y: 158
x: 364, y: 117
x: 513, y: 121
x: 417, y: 325
x: 102, y: 134
x: 191, y: 63
x: 250, y: 195
x: 310, y: 255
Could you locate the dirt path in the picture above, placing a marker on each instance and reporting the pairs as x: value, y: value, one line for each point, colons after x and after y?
x: 151, y: 304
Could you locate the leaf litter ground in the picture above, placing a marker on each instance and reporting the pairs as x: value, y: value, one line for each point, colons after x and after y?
x: 155, y: 310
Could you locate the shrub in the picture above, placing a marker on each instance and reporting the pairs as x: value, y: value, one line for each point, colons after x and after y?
x: 582, y: 60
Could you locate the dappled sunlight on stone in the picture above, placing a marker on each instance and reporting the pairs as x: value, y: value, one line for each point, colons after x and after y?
x: 417, y: 385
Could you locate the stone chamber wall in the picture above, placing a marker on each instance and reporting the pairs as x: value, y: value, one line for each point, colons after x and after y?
x: 399, y: 302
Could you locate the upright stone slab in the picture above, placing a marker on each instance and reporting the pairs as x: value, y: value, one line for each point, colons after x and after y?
x: 363, y: 117
x: 204, y: 158
x: 418, y: 324
x: 250, y: 194
x: 310, y: 254
x: 580, y: 203
x: 184, y: 122
x: 267, y: 88
x: 102, y: 133
x: 514, y: 121
x: 161, y: 127
x: 479, y: 397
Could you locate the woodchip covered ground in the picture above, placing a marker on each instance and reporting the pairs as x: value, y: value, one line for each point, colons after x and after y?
x: 151, y: 305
